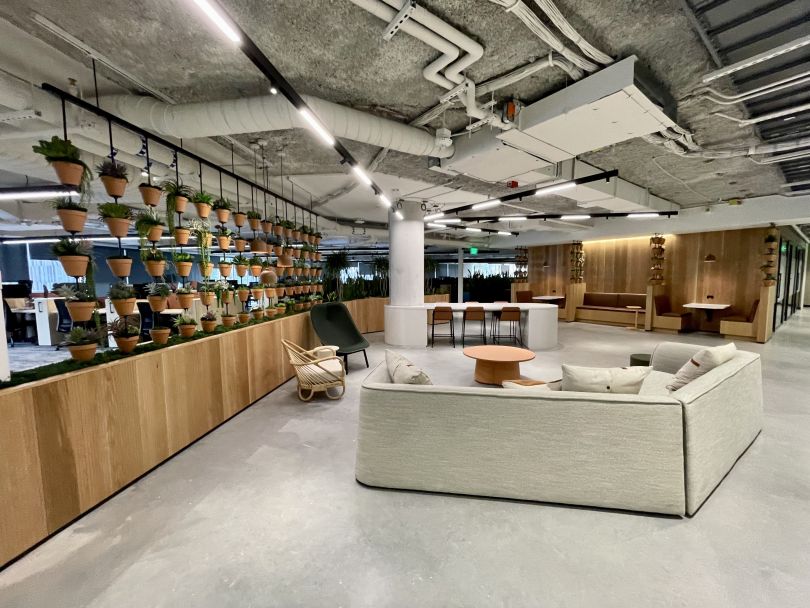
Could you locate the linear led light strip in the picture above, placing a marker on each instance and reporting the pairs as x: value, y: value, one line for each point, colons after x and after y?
x: 36, y: 192
x: 751, y: 61
x: 94, y: 239
x: 237, y: 35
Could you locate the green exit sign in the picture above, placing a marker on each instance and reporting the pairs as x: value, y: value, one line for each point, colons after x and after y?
x: 783, y: 249
x: 473, y: 250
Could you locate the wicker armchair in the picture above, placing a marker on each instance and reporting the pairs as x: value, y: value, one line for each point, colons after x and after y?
x: 318, y: 369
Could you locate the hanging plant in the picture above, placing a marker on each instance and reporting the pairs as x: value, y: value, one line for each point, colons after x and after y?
x: 240, y: 244
x: 114, y: 176
x: 120, y: 265
x: 122, y: 297
x: 117, y: 217
x: 242, y: 264
x: 224, y: 237
x: 202, y: 202
x: 158, y: 296
x: 254, y: 219
x: 72, y: 214
x: 154, y: 261
x: 185, y: 297
x: 66, y: 161
x: 74, y: 255
x: 181, y: 235
x: 183, y: 262
x: 150, y: 194
x: 239, y: 218
x: 222, y: 207
x: 177, y: 196
x: 126, y: 334
x: 149, y: 225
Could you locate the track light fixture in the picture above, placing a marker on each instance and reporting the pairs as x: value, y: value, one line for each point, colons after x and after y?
x: 575, y: 216
x: 433, y: 216
x: 214, y: 14
x: 36, y: 192
x: 317, y: 126
x: 361, y: 175
x: 384, y: 199
x: 486, y: 204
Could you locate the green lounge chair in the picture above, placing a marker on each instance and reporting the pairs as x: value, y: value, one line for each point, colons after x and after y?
x: 334, y: 326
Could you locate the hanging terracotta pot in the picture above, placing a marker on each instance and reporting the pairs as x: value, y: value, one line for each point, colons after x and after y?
x: 127, y: 345
x: 155, y: 234
x: 243, y: 317
x: 208, y: 326
x: 186, y: 331
x: 155, y: 268
x: 185, y: 300
x: 118, y: 226
x: 203, y: 210
x: 225, y: 269
x: 124, y: 307
x: 278, y: 229
x: 157, y: 303
x: 255, y: 223
x: 160, y: 335
x: 270, y: 312
x: 223, y: 215
x: 318, y: 256
x: 150, y: 195
x: 83, y: 352
x: 296, y: 235
x: 180, y: 204
x: 285, y: 260
x: 74, y: 265
x: 240, y: 244
x: 268, y: 277
x: 267, y: 226
x: 239, y: 219
x: 270, y: 292
x: 278, y: 250
x: 255, y: 270
x: 241, y: 269
x: 317, y: 240
x: 243, y: 294
x: 68, y: 173
x: 257, y: 293
x: 224, y: 242
x: 228, y: 320
x: 81, y: 311
x: 208, y: 297
x: 181, y: 235
x: 73, y: 220
x: 183, y: 268
x: 120, y: 267
x: 206, y: 268
x: 115, y: 186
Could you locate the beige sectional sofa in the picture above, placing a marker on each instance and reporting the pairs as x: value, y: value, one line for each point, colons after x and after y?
x: 656, y: 452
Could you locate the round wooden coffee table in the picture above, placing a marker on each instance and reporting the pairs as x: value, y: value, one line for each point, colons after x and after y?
x: 494, y: 364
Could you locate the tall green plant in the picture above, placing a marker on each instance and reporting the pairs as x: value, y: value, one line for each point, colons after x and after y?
x: 336, y: 264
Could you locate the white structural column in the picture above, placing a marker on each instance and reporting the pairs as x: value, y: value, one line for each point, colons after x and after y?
x: 406, y: 273
x: 460, y: 278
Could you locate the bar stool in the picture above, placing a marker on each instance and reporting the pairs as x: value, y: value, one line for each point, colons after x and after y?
x: 474, y: 313
x: 511, y: 315
x: 442, y: 315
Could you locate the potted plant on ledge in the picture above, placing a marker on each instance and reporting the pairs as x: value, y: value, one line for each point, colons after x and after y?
x: 82, y: 343
x: 209, y: 321
x: 66, y: 161
x: 158, y: 296
x: 72, y: 214
x: 186, y: 326
x: 126, y: 334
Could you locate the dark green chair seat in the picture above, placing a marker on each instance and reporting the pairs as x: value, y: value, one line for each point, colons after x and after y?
x: 335, y: 327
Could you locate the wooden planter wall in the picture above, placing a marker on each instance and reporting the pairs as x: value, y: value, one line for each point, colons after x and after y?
x: 71, y: 441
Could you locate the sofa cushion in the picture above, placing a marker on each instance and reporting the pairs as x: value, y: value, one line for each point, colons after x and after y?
x: 402, y: 371
x: 534, y: 388
x: 631, y: 299
x: 624, y: 380
x: 609, y: 309
x: 655, y: 384
x: 600, y: 299
x: 703, y: 361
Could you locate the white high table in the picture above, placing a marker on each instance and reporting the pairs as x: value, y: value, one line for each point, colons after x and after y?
x: 409, y: 326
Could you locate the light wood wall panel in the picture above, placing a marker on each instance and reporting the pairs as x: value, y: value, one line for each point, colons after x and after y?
x: 617, y: 265
x: 548, y: 269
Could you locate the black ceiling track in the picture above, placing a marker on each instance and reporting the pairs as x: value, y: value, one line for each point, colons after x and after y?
x: 117, y: 120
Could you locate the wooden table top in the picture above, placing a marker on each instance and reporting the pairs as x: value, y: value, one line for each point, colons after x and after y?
x: 706, y: 306
x: 506, y: 354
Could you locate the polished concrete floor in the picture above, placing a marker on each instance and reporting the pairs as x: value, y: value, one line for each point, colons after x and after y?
x: 265, y: 511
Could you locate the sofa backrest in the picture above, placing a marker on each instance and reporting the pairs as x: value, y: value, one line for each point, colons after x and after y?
x: 631, y: 299
x: 595, y: 298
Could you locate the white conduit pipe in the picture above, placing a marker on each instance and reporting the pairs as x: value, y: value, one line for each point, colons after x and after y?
x: 558, y: 19
x: 270, y: 113
x: 473, y: 49
x: 770, y: 116
x: 721, y: 99
x: 449, y: 52
x: 532, y: 21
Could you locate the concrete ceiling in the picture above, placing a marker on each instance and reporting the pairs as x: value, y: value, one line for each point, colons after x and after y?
x: 334, y: 50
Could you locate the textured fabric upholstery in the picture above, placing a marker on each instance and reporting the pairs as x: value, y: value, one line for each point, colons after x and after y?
x: 655, y: 384
x: 658, y: 453
x: 631, y: 299
x: 592, y: 298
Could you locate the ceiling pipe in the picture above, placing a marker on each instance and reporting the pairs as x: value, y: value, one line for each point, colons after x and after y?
x: 271, y: 113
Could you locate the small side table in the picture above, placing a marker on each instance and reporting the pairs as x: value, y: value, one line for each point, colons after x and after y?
x: 640, y: 359
x: 635, y: 309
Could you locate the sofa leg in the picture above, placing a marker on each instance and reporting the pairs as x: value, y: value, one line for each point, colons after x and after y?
x: 365, y: 356
x: 346, y: 364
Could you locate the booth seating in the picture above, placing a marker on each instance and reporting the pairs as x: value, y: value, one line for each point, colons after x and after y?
x: 524, y: 297
x: 611, y: 308
x: 740, y: 325
x: 664, y: 318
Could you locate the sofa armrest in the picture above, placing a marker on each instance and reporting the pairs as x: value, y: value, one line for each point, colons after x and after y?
x: 669, y: 357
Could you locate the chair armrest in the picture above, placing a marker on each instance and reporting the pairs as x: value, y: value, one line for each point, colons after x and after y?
x: 326, y: 350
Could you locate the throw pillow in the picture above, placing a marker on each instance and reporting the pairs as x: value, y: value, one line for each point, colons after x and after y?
x: 403, y: 371
x: 702, y: 362
x: 624, y: 380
